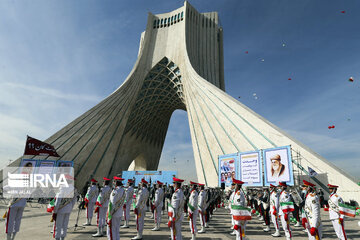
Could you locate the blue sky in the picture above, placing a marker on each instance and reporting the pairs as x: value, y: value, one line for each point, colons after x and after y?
x: 60, y: 58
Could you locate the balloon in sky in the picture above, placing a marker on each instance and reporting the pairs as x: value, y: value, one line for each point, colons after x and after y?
x: 351, y: 79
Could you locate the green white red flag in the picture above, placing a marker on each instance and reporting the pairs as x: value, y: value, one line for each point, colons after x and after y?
x: 287, y: 207
x: 51, y: 206
x: 170, y: 211
x: 347, y: 210
x: 240, y: 213
x: 110, y: 208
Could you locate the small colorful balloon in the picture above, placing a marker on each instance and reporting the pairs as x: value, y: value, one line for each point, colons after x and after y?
x: 351, y: 79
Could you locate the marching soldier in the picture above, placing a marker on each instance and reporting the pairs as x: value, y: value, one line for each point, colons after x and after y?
x: 202, y: 207
x: 64, y: 203
x: 336, y: 218
x: 239, y: 209
x: 284, y: 197
x: 13, y: 217
x: 231, y: 201
x: 140, y: 209
x: 158, y: 204
x: 274, y: 209
x: 90, y: 199
x: 128, y: 202
x: 312, y: 213
x: 114, y: 212
x: 102, y: 203
x: 193, y: 209
x: 176, y: 209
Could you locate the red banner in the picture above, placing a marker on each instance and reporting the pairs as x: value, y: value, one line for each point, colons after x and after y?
x: 37, y: 147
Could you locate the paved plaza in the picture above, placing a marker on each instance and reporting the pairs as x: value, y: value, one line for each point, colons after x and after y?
x: 36, y: 226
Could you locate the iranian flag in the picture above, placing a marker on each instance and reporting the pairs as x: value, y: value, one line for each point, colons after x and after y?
x: 170, y: 211
x: 347, y: 210
x: 51, y: 206
x: 98, y: 201
x: 240, y: 213
x: 287, y: 207
x: 110, y: 208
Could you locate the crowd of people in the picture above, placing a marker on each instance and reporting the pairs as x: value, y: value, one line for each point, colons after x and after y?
x: 277, y: 203
x: 112, y: 204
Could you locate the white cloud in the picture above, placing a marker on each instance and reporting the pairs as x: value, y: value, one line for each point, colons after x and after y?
x: 46, y: 92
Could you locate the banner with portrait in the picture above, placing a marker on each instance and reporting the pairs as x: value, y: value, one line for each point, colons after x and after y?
x: 278, y: 165
x: 28, y: 165
x: 250, y: 168
x: 227, y: 168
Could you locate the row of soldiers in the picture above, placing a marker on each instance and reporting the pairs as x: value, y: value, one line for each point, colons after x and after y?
x: 112, y: 203
x: 278, y: 202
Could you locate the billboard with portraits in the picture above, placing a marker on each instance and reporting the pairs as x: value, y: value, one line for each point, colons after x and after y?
x: 227, y: 168
x: 278, y: 165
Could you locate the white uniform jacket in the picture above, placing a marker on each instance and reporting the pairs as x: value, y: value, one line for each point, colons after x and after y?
x: 334, y: 201
x: 274, y: 202
x: 284, y: 197
x: 142, y: 197
x: 104, y: 196
x: 65, y: 200
x: 92, y: 193
x: 202, y: 201
x: 129, y: 195
x: 177, y: 202
x: 193, y: 201
x: 116, y: 201
x: 159, y: 198
x: 312, y: 210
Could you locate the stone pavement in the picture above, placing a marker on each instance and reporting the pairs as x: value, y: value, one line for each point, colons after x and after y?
x: 36, y: 226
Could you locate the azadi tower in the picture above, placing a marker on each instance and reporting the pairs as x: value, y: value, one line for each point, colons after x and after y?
x: 179, y: 66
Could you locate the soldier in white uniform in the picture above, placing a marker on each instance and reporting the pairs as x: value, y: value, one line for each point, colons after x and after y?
x: 284, y: 197
x: 239, y: 201
x: 102, y: 203
x: 274, y: 209
x: 202, y: 207
x: 158, y: 204
x: 128, y: 202
x: 64, y: 203
x: 140, y: 209
x: 176, y: 210
x: 193, y: 209
x: 336, y: 218
x: 231, y: 200
x: 13, y: 217
x: 115, y: 210
x: 312, y: 213
x: 90, y: 199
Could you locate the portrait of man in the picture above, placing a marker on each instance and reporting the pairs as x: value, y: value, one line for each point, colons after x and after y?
x: 277, y: 168
x: 278, y: 165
